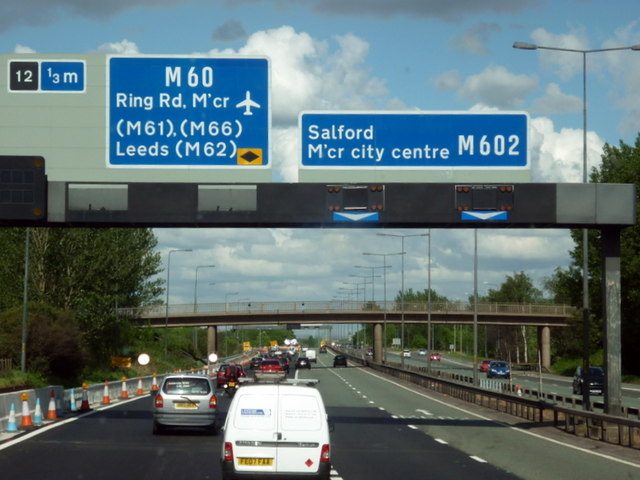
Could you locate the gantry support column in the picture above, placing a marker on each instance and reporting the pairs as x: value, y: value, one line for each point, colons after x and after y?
x: 377, y: 343
x: 612, y: 320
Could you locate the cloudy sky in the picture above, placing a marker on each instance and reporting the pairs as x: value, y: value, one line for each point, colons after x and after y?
x: 376, y: 55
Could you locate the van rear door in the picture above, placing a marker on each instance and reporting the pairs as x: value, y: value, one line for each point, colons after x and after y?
x: 303, y: 430
x: 254, y: 433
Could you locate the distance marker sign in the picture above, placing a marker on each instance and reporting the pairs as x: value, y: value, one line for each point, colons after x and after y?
x: 414, y: 140
x: 196, y: 112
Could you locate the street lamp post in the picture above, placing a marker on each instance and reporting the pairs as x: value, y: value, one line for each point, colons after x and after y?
x: 585, y: 232
x: 384, y: 276
x: 402, y: 237
x: 195, y: 289
x: 166, y: 307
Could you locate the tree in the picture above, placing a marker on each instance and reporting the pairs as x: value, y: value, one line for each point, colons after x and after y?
x: 620, y: 165
x: 90, y: 272
x: 517, y: 289
x: 54, y: 342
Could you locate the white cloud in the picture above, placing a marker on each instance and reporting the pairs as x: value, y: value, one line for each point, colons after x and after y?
x: 554, y: 101
x: 557, y: 156
x: 306, y: 74
x: 124, y: 47
x: 23, y: 49
x: 498, y: 87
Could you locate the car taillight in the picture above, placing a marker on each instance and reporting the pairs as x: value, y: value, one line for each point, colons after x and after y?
x: 213, y: 402
x: 325, y: 454
x: 228, y: 451
x: 159, y: 402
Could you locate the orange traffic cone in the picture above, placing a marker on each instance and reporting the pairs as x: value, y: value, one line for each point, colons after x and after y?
x: 105, y: 396
x: 124, y: 393
x: 154, y: 385
x: 139, y: 391
x: 52, y: 413
x: 84, y: 405
x: 519, y: 390
x: 26, y: 413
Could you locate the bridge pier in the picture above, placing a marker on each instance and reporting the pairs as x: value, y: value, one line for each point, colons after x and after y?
x: 377, y: 343
x: 544, y: 343
x: 212, y: 340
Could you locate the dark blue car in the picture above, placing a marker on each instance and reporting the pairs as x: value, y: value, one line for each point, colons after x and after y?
x: 498, y: 369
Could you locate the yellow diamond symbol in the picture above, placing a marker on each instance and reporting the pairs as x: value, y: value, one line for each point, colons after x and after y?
x: 249, y: 156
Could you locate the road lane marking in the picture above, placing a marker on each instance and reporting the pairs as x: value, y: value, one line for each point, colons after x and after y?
x: 526, y: 432
x: 478, y: 459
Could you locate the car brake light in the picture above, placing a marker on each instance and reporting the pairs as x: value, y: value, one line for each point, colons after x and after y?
x: 325, y: 454
x: 213, y: 402
x: 159, y: 402
x: 228, y: 451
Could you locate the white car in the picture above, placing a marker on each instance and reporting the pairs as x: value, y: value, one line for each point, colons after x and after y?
x: 406, y: 353
x: 276, y: 430
x: 422, y: 351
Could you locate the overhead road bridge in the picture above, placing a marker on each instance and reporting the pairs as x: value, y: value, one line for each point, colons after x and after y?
x: 297, y: 314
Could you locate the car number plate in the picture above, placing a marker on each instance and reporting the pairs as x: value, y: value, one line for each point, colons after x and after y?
x: 232, y: 384
x: 185, y: 405
x: 255, y: 461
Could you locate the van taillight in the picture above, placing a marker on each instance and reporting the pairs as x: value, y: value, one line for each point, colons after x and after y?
x: 159, y: 402
x: 228, y: 451
x: 213, y: 402
x: 325, y: 454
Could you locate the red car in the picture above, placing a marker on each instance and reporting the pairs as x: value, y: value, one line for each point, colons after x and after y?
x: 484, y: 365
x: 271, y: 365
x: 435, y: 357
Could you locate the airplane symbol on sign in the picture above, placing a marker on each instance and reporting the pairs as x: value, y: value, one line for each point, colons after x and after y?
x: 247, y: 103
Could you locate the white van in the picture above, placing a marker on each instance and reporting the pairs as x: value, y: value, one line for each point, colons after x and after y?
x: 277, y: 429
x: 311, y: 355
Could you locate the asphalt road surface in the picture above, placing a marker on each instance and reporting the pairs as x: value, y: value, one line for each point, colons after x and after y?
x: 382, y: 429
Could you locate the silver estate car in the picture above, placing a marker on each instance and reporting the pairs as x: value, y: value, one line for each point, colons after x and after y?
x: 185, y: 401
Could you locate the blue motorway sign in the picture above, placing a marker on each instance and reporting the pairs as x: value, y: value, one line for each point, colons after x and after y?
x: 415, y: 140
x: 188, y: 111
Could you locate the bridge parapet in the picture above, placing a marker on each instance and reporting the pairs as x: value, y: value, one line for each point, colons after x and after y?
x: 314, y: 307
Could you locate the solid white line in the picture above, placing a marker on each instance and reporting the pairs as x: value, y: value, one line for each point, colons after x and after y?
x: 526, y: 432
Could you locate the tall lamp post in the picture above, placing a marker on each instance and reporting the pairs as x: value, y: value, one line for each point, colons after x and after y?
x: 195, y: 288
x: 402, y: 237
x: 585, y: 232
x: 384, y: 279
x: 166, y: 306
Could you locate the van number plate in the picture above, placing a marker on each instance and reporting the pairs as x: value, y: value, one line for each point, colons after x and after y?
x: 185, y: 405
x: 255, y: 461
